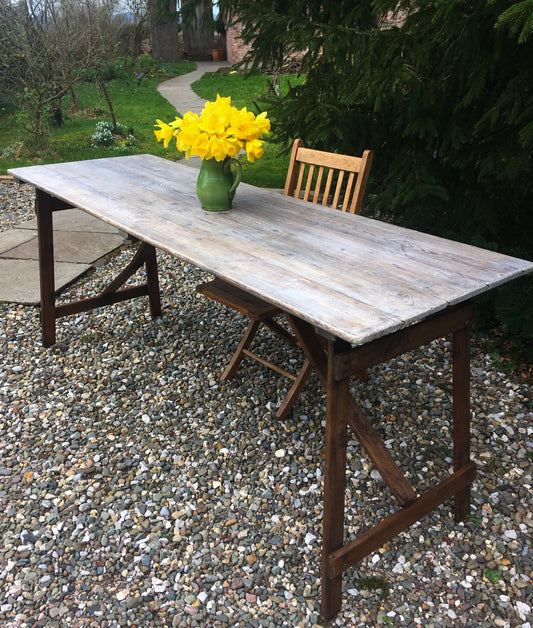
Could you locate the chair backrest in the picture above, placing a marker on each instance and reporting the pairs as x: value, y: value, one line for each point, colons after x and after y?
x: 320, y: 177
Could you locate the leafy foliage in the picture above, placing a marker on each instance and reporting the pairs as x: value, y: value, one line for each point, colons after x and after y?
x: 444, y: 97
x: 134, y: 104
x: 494, y: 575
x: 519, y: 17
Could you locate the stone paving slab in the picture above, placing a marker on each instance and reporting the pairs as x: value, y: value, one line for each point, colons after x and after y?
x: 79, y: 240
x: 70, y: 246
x: 74, y: 220
x: 19, y: 279
x: 13, y: 238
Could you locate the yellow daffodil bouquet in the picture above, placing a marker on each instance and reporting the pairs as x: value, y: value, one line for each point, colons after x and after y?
x: 217, y: 136
x: 220, y: 131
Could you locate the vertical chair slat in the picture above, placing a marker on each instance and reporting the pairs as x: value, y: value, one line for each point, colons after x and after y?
x: 347, y: 193
x: 338, y: 189
x: 316, y: 193
x: 309, y: 182
x: 328, y: 186
x: 300, y: 180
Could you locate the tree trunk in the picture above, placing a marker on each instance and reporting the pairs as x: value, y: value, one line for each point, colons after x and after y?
x: 108, y: 100
x: 74, y: 98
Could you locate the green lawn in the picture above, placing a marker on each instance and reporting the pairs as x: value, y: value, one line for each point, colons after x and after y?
x: 247, y: 91
x: 136, y: 106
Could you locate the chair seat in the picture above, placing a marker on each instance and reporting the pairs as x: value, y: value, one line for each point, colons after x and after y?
x: 229, y: 295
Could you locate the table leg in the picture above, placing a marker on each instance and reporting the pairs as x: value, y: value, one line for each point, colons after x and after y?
x: 335, y: 369
x: 461, y: 415
x: 45, y: 237
x: 368, y: 437
x: 336, y: 440
x: 152, y: 280
x: 50, y: 312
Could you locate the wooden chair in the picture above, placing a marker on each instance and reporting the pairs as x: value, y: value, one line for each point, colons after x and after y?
x: 334, y: 180
x: 305, y: 177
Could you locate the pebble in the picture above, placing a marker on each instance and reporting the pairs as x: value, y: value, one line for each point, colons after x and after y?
x: 136, y: 489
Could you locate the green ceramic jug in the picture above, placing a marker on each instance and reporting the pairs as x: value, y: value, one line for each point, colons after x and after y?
x: 217, y: 182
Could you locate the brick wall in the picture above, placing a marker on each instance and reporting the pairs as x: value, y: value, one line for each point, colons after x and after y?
x: 235, y: 48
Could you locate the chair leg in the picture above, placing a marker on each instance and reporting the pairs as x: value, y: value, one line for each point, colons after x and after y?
x: 239, y: 354
x: 242, y: 350
x: 294, y: 392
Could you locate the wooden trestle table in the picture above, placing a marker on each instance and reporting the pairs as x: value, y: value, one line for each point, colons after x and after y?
x: 374, y: 289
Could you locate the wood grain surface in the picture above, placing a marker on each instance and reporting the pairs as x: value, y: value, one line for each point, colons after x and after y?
x: 352, y: 276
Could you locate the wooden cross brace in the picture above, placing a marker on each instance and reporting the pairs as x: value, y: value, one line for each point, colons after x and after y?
x: 145, y: 255
x: 334, y: 367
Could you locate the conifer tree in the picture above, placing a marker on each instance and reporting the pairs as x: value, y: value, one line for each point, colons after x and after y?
x: 441, y: 91
x: 445, y: 100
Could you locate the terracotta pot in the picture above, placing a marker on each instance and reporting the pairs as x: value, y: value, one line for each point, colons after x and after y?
x: 218, y: 54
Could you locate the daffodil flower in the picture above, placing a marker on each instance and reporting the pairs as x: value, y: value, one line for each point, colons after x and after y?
x: 164, y: 133
x: 254, y: 149
x: 220, y: 131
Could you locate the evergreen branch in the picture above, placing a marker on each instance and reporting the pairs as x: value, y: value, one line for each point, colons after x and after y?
x: 518, y: 17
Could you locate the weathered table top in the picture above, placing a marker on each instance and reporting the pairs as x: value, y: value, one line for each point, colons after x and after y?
x: 352, y: 276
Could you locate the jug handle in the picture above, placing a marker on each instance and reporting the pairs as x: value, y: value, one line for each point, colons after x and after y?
x: 236, y: 175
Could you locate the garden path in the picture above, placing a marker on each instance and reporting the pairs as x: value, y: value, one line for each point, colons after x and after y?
x: 178, y: 91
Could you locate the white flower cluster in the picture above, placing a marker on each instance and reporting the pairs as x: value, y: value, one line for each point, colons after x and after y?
x: 105, y: 135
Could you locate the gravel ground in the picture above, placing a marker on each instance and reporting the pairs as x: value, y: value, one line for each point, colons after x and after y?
x: 136, y: 490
